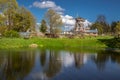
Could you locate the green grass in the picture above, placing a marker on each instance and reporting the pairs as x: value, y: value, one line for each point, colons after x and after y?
x: 7, y: 43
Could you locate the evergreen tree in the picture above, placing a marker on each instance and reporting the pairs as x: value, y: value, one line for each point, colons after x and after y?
x: 101, y: 19
x: 117, y: 28
x: 113, y: 26
x: 43, y: 26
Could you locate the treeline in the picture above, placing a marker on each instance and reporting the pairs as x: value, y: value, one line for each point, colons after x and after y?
x: 108, y: 29
x: 105, y: 28
x: 14, y: 18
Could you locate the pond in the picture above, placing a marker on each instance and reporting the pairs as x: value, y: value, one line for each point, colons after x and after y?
x: 50, y: 64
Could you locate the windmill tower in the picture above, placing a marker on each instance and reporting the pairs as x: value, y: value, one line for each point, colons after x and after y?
x: 79, y: 26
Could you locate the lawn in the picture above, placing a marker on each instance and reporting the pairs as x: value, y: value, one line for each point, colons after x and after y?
x: 6, y: 43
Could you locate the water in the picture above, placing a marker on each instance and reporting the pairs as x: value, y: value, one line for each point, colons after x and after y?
x: 47, y: 64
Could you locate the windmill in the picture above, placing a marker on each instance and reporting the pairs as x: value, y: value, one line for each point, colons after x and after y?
x: 79, y: 25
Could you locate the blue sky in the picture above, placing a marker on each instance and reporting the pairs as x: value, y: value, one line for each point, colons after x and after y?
x: 88, y: 9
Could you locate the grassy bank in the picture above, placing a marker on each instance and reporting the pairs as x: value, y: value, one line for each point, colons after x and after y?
x: 6, y: 43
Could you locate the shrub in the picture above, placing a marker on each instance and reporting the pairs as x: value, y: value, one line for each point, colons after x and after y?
x: 112, y: 43
x: 11, y: 34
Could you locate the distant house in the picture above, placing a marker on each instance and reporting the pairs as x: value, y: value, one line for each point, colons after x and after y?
x: 91, y: 32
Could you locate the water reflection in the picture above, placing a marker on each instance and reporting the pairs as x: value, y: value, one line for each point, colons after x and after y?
x: 43, y: 57
x: 79, y: 60
x: 100, y: 59
x: 45, y: 64
x: 17, y: 65
x: 54, y: 64
x: 103, y: 57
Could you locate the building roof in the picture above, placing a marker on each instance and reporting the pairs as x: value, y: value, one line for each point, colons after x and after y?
x: 80, y: 19
x: 91, y: 31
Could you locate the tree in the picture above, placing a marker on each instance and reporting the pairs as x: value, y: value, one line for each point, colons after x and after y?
x: 54, y: 21
x: 9, y: 8
x: 97, y: 26
x: 2, y: 20
x: 113, y: 25
x: 5, y: 4
x: 101, y: 19
x: 23, y: 20
x: 117, y: 28
x: 16, y: 18
x: 43, y: 26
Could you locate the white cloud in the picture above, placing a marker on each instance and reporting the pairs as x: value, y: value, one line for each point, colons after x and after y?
x: 87, y: 23
x: 68, y: 20
x: 47, y: 4
x: 44, y: 4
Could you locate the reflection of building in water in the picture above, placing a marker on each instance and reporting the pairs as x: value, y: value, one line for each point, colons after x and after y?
x: 79, y: 60
x: 49, y: 63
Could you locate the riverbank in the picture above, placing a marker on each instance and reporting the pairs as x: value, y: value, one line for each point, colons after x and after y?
x: 6, y: 43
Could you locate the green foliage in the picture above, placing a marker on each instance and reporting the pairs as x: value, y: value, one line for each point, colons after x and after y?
x: 111, y: 43
x: 113, y: 25
x: 97, y: 26
x: 117, y: 28
x: 23, y: 20
x: 5, y: 4
x: 101, y: 19
x: 2, y: 20
x: 43, y: 26
x: 54, y: 21
x: 17, y: 18
x: 2, y: 29
x: 11, y: 34
x: 64, y: 43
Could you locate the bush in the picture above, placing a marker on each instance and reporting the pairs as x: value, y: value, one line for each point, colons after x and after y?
x: 112, y: 43
x: 11, y: 34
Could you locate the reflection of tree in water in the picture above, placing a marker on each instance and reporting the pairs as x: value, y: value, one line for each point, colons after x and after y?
x: 101, y: 59
x: 79, y: 60
x: 115, y: 57
x: 16, y: 65
x: 54, y: 65
x: 43, y: 57
x: 103, y: 56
